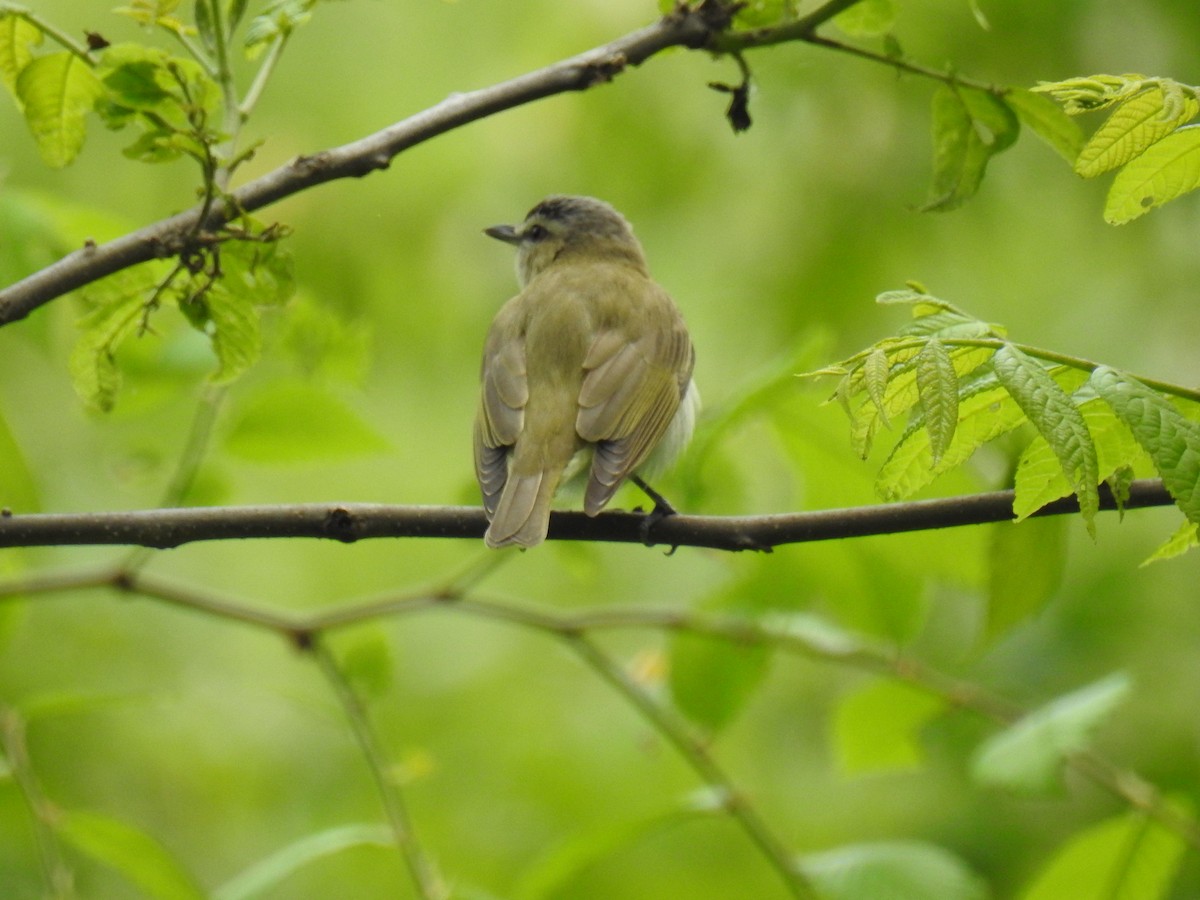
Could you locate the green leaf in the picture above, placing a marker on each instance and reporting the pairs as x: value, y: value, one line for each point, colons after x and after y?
x: 268, y: 873
x: 1131, y: 128
x: 1039, y: 477
x: 1167, y: 170
x: 295, y: 422
x: 92, y: 364
x: 1057, y: 419
x: 276, y: 22
x: 1025, y: 568
x: 897, y: 870
x: 235, y: 334
x: 937, y: 383
x: 57, y: 91
x: 1128, y: 857
x: 876, y: 729
x: 131, y: 852
x: 1171, y: 439
x: 875, y: 374
x: 552, y: 873
x: 711, y: 679
x: 986, y: 411
x: 1028, y: 756
x: 867, y: 18
x: 137, y: 77
x: 18, y: 487
x: 17, y: 37
x: 1185, y: 538
x: 969, y: 127
x: 366, y: 661
x: 764, y: 13
x: 1048, y: 121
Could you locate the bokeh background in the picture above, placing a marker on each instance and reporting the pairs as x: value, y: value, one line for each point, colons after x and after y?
x: 223, y: 741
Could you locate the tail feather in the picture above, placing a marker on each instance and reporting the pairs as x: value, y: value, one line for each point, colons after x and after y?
x: 523, y: 514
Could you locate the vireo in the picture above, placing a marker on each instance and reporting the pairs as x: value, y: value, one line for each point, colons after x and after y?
x: 588, y: 368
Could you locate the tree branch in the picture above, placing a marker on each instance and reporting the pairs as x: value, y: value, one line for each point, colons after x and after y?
x: 350, y: 522
x: 698, y: 26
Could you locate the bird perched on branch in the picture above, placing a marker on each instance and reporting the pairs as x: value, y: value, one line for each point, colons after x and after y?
x: 587, y: 370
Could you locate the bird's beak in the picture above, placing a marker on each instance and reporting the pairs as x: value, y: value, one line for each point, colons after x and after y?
x: 505, y: 233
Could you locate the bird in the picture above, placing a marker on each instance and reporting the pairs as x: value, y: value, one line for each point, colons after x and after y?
x: 586, y: 373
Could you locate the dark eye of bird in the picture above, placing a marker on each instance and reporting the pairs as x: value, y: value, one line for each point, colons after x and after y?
x: 535, y: 233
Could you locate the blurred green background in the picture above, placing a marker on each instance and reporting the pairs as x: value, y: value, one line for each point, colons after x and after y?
x: 223, y: 741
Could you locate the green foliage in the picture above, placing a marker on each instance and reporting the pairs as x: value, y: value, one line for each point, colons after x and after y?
x: 899, y: 870
x: 868, y: 18
x: 296, y: 422
x: 1127, y: 857
x: 130, y: 851
x: 1025, y: 569
x: 1146, y: 136
x: 56, y: 91
x: 877, y: 728
x: 1028, y: 757
x: 711, y: 680
x: 969, y: 127
x: 963, y: 384
x: 268, y: 873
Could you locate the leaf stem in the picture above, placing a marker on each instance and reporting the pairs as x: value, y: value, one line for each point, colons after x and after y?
x: 274, y: 51
x: 57, y: 35
x: 677, y: 732
x: 428, y: 882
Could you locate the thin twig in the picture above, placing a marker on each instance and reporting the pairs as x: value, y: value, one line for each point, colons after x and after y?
x: 428, y: 882
x: 675, y: 730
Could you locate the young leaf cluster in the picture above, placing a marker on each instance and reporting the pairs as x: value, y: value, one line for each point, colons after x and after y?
x: 181, y: 106
x: 1146, y: 137
x: 961, y: 383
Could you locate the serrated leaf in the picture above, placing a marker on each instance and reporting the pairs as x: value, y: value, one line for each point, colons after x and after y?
x: 1167, y: 170
x: 1185, y: 538
x: 897, y: 870
x: 985, y: 413
x: 867, y: 18
x: 234, y: 332
x: 1028, y: 756
x: 1057, y: 419
x: 295, y: 422
x: 1039, y: 477
x: 1134, y: 126
x: 1025, y: 568
x: 875, y: 376
x: 1128, y: 857
x: 267, y: 873
x: 56, y: 92
x: 711, y: 679
x: 17, y: 37
x: 92, y: 364
x: 937, y: 384
x: 130, y: 851
x: 1092, y: 92
x: 1171, y: 439
x: 1048, y: 121
x: 876, y: 729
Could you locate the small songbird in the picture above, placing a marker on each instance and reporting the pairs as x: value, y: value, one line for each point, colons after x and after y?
x: 587, y: 369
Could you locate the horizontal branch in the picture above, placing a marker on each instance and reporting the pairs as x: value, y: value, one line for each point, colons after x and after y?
x: 695, y: 26
x: 349, y: 522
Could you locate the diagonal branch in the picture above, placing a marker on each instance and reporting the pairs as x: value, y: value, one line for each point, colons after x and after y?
x: 702, y: 25
x: 350, y: 522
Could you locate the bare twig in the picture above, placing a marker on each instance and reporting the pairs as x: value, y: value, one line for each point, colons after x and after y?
x: 350, y: 522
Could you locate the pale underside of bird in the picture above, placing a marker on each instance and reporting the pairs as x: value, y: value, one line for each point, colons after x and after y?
x: 586, y: 373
